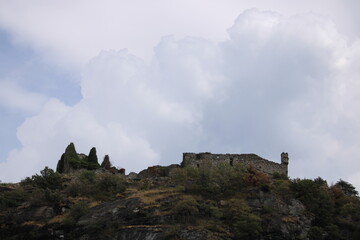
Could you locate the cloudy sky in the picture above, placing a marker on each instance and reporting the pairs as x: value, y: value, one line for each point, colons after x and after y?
x: 145, y: 81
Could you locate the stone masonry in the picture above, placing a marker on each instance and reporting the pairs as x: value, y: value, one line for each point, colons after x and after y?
x: 253, y: 160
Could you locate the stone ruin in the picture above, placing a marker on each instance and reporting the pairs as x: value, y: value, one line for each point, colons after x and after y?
x: 249, y: 160
x: 71, y: 161
x: 106, y: 164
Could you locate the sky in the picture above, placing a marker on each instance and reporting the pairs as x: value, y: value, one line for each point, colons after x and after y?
x: 145, y: 81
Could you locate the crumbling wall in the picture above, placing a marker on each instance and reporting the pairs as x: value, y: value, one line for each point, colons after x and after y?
x: 259, y: 163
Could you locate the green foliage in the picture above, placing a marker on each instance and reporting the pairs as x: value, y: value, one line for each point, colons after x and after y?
x: 317, y: 233
x: 282, y: 189
x: 186, y: 210
x: 87, y: 176
x: 47, y: 180
x: 71, y: 160
x: 347, y: 188
x: 277, y: 175
x: 99, y: 186
x: 315, y: 195
x: 78, y: 210
x: 111, y: 183
x: 213, y: 182
x: 244, y: 224
x: 12, y: 198
x: 145, y: 184
x: 210, y: 209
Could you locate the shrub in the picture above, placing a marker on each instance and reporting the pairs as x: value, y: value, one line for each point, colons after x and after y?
x: 255, y: 178
x: 186, y: 210
x: 12, y: 198
x: 243, y: 223
x: 213, y: 181
x: 78, y: 210
x: 277, y: 175
x: 317, y: 198
x: 48, y: 179
x: 209, y: 208
x: 347, y: 188
x: 317, y: 233
x: 109, y: 184
x: 87, y: 176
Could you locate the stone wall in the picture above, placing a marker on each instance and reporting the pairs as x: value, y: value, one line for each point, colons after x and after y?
x: 259, y: 163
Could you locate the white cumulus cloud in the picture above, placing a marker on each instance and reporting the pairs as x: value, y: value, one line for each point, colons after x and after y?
x: 277, y: 84
x: 15, y: 97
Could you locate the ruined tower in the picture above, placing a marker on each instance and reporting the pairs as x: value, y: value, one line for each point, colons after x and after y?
x: 284, y: 158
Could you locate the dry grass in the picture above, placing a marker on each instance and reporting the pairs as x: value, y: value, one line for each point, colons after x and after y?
x: 78, y: 199
x: 58, y: 218
x: 33, y: 223
x: 93, y: 204
x: 290, y: 219
x: 151, y: 198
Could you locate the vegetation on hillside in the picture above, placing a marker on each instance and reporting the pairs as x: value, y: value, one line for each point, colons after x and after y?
x: 222, y: 202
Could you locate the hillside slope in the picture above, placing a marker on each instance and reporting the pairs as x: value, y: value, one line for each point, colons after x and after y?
x: 177, y: 203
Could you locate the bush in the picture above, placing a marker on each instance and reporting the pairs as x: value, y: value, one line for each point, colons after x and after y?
x: 186, y: 210
x: 317, y: 233
x: 110, y: 184
x: 12, y: 198
x: 243, y: 223
x: 255, y: 178
x: 316, y: 197
x: 47, y: 180
x: 347, y: 188
x: 87, y: 176
x: 78, y: 210
x: 282, y: 176
x: 210, y: 209
x: 213, y: 181
x: 100, y: 186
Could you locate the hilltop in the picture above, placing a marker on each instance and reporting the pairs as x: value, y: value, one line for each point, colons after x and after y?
x: 87, y: 200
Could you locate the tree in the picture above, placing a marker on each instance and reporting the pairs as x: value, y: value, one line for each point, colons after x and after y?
x: 347, y: 188
x: 316, y: 197
x: 243, y: 223
x: 47, y: 180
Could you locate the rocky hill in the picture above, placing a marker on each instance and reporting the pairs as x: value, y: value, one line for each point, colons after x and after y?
x: 81, y: 201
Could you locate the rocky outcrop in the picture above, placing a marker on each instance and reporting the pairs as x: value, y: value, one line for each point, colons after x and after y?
x: 93, y: 160
x: 106, y: 164
x: 69, y: 156
x: 71, y: 160
x: 284, y: 220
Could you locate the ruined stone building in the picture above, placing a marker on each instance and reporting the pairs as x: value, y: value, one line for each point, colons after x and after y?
x: 253, y: 160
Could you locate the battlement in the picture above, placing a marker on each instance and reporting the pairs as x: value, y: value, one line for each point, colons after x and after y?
x: 253, y: 160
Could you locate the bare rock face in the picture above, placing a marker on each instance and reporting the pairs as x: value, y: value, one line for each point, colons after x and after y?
x: 69, y: 156
x: 106, y: 164
x: 93, y: 160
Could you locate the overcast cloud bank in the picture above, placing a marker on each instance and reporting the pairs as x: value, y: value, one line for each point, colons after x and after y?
x: 277, y: 84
